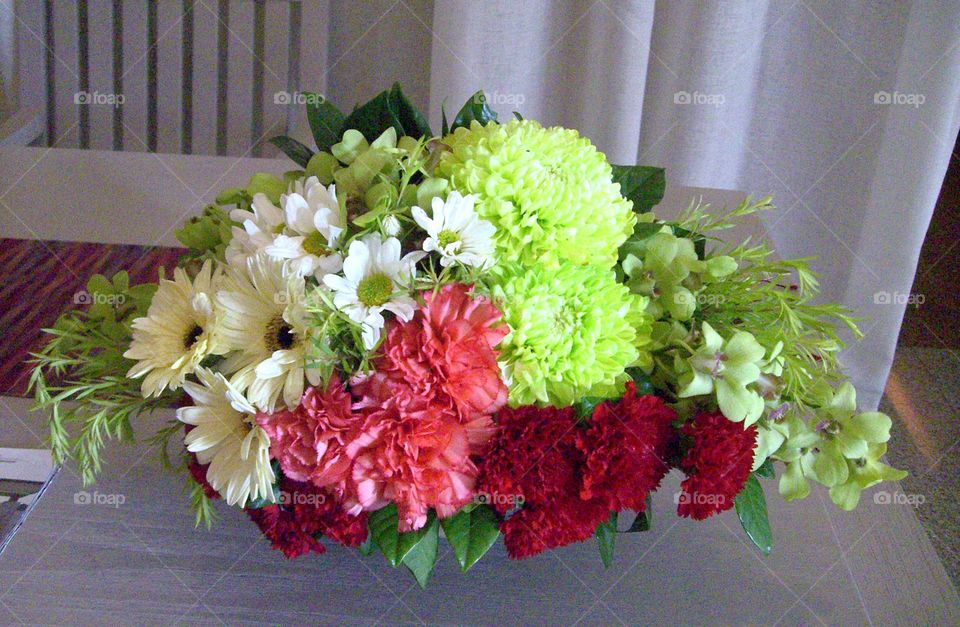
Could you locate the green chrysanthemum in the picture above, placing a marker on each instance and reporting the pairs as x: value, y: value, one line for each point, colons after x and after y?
x: 548, y: 191
x: 573, y: 331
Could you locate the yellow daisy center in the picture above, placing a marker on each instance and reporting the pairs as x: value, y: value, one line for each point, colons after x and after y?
x: 447, y: 237
x: 375, y: 290
x: 316, y: 244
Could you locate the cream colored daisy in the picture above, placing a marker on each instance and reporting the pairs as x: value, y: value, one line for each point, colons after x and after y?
x: 227, y: 437
x: 178, y: 332
x: 263, y: 320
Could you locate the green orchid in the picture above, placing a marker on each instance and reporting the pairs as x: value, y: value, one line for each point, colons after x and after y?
x: 797, y: 453
x: 863, y: 473
x: 727, y: 368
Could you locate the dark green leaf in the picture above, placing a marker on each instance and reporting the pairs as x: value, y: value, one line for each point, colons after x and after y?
x: 642, y: 380
x: 644, y: 185
x: 474, y: 109
x: 585, y: 406
x: 422, y: 557
x: 367, y: 547
x: 388, y: 109
x: 297, y: 152
x: 444, y: 126
x: 517, y: 115
x: 644, y: 519
x: 606, y: 539
x: 766, y: 469
x: 752, y: 509
x: 326, y: 122
x: 393, y: 544
x: 471, y: 534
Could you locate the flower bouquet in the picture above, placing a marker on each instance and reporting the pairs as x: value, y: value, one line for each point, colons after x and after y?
x: 485, y: 332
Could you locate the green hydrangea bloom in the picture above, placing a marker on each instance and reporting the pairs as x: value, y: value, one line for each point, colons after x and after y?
x: 574, y: 329
x: 548, y: 191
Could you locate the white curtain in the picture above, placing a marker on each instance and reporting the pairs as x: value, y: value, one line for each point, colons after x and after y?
x: 846, y: 111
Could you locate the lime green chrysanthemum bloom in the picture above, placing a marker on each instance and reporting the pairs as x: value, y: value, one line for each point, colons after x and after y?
x: 573, y: 331
x: 548, y: 191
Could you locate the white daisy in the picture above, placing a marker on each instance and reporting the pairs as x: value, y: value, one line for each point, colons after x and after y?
x: 456, y: 232
x: 263, y: 320
x: 226, y: 436
x: 261, y: 224
x: 374, y: 279
x: 179, y: 331
x: 313, y: 227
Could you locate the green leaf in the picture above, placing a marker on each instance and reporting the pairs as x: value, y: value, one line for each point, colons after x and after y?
x: 644, y: 519
x: 388, y: 109
x: 752, y: 510
x: 606, y: 539
x: 383, y: 529
x: 367, y: 547
x: 297, y: 152
x: 422, y: 557
x: 326, y: 122
x: 644, y: 185
x: 444, y: 125
x: 471, y: 534
x: 474, y: 109
x: 585, y: 406
x: 517, y: 115
x: 766, y: 469
x: 642, y: 381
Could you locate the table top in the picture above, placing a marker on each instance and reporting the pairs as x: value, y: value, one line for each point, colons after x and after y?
x: 137, y: 559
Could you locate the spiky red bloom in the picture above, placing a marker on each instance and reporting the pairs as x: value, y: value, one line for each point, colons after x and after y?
x: 534, y: 461
x: 280, y: 526
x: 717, y: 464
x: 626, y: 448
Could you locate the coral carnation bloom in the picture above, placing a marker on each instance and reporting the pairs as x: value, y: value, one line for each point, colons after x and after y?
x: 445, y: 353
x: 717, y: 464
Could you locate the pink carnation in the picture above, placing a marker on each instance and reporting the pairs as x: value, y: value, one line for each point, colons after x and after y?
x: 308, y: 441
x: 445, y: 353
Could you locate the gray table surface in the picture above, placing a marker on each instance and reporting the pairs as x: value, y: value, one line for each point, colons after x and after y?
x: 143, y: 563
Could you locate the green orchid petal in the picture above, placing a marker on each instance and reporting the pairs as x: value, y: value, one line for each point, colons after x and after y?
x: 680, y: 302
x: 846, y: 496
x: 744, y: 348
x: 850, y: 445
x: 632, y: 265
x: 793, y: 485
x: 872, y: 426
x: 768, y: 442
x: 721, y: 266
x: 830, y: 466
x: 741, y: 374
x: 712, y: 341
x: 700, y: 384
x: 844, y: 402
x: 738, y: 403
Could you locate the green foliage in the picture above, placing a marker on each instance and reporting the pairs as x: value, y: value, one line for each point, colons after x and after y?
x: 206, y: 236
x: 326, y: 121
x: 201, y: 504
x: 78, y: 374
x: 389, y: 109
x: 475, y: 108
x: 471, y: 532
x: 752, y: 509
x: 299, y: 153
x: 642, y: 185
x: 423, y: 556
x: 606, y: 535
x: 395, y: 546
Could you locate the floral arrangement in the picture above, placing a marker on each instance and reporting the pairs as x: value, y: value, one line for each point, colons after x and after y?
x: 485, y: 332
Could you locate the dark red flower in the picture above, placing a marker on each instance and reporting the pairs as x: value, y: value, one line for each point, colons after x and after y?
x: 280, y: 526
x: 317, y: 511
x: 534, y: 462
x: 626, y: 447
x: 717, y: 464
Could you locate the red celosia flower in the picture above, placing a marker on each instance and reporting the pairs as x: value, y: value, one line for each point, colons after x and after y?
x: 534, y: 461
x: 626, y: 448
x: 280, y: 526
x: 308, y: 441
x: 445, y: 353
x: 318, y: 511
x: 413, y: 452
x: 717, y: 464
